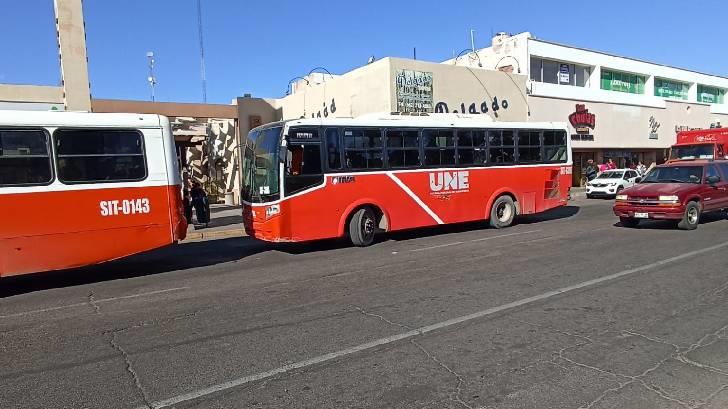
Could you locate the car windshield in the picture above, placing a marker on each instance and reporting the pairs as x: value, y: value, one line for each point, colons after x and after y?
x: 703, y: 151
x: 675, y: 174
x: 260, y: 165
x: 611, y: 175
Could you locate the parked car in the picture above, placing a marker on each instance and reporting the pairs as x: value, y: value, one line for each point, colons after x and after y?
x: 680, y: 191
x: 609, y: 183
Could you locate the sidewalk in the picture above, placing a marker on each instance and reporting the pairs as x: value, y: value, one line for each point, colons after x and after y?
x: 225, y: 221
x: 578, y: 193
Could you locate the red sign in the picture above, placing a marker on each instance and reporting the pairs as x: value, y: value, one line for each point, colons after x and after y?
x: 582, y: 118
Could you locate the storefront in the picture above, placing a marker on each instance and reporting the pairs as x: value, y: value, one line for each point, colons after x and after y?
x: 626, y: 134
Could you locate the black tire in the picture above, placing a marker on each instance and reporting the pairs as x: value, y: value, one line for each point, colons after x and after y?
x: 691, y: 217
x: 629, y: 221
x: 362, y: 227
x: 503, y: 212
x: 588, y: 196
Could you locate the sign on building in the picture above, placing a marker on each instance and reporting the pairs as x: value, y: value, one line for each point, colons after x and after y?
x: 564, y: 72
x: 583, y: 122
x: 414, y: 91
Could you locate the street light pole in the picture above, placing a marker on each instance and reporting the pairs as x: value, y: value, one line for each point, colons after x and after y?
x: 151, y: 78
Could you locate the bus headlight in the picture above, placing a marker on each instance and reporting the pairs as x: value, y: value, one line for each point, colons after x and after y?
x: 272, y: 210
x: 668, y: 199
x: 621, y: 197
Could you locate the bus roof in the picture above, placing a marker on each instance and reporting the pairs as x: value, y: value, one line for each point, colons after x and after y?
x: 428, y: 120
x: 78, y: 119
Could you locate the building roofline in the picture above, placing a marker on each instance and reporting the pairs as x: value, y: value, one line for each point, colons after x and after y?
x: 626, y: 58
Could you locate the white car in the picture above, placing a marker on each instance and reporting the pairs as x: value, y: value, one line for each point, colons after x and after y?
x: 611, y: 182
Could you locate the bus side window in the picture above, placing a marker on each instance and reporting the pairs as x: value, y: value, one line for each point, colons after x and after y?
x: 303, y: 167
x: 501, y: 146
x: 333, y: 149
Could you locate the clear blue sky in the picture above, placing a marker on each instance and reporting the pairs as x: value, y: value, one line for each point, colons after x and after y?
x: 257, y: 46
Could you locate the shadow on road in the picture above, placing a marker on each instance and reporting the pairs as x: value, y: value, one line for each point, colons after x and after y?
x: 177, y: 257
x: 187, y: 255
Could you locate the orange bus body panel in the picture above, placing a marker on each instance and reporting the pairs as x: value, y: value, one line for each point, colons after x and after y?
x: 62, y: 229
x: 323, y: 211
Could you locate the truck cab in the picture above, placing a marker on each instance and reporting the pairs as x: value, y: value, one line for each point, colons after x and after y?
x: 701, y: 144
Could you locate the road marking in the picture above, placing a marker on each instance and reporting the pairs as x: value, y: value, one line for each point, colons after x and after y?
x: 439, y: 246
x: 420, y: 331
x: 99, y: 301
x: 414, y: 197
x: 505, y: 235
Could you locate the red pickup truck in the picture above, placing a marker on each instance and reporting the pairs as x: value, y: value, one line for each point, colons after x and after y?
x: 678, y: 190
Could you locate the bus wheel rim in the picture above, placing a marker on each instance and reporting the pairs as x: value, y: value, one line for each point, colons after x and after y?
x: 368, y: 226
x: 503, y: 211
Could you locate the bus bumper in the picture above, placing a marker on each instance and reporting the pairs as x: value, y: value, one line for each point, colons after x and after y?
x: 260, y: 224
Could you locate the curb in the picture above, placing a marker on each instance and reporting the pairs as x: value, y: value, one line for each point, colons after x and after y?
x: 215, y: 234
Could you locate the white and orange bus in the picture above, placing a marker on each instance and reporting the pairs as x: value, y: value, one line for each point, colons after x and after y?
x: 83, y: 188
x: 310, y: 179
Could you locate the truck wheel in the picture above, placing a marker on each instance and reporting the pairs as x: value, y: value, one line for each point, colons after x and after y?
x: 691, y: 217
x: 503, y: 212
x: 362, y: 227
x: 629, y: 221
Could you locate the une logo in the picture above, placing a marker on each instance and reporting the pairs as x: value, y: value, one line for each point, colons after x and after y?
x: 449, y: 181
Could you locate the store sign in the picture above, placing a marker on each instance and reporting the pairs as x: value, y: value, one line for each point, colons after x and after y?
x: 564, y: 73
x: 583, y: 121
x: 681, y: 128
x: 654, y: 126
x: 414, y: 91
x: 671, y: 89
x: 622, y: 82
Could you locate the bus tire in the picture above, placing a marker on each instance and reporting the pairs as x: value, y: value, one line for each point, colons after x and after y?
x: 691, y: 217
x: 362, y: 227
x: 503, y: 212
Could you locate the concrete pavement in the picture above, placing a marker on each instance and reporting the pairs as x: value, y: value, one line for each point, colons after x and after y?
x: 563, y: 310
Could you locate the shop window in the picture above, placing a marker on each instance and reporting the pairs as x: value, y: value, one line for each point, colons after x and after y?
x: 501, y: 149
x: 471, y: 147
x: 671, y: 89
x: 363, y: 148
x: 24, y: 157
x: 99, y: 155
x: 710, y: 95
x: 439, y: 146
x: 557, y: 72
x: 622, y: 82
x: 303, y: 167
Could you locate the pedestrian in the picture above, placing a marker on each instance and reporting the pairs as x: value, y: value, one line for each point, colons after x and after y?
x: 611, y: 164
x: 603, y: 167
x: 200, y: 203
x: 641, y: 168
x: 187, y: 201
x: 591, y: 170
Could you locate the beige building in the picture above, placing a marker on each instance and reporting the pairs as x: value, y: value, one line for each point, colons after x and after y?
x: 395, y: 84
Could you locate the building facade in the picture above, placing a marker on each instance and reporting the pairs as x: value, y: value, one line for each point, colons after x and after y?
x: 617, y: 108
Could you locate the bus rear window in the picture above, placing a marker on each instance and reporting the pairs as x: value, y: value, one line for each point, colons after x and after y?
x: 24, y: 158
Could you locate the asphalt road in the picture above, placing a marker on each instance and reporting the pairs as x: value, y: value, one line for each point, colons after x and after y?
x: 563, y: 310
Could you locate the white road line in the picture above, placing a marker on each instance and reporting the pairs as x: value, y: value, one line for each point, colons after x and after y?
x: 505, y: 235
x: 439, y: 246
x: 420, y: 331
x: 99, y: 301
x: 414, y: 197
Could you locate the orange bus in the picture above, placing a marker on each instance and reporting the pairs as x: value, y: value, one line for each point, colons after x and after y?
x: 310, y: 179
x: 83, y: 188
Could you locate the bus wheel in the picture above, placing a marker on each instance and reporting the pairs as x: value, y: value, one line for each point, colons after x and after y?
x: 503, y: 212
x: 362, y: 227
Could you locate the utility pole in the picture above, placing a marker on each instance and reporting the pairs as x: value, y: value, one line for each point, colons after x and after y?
x: 151, y: 78
x: 202, y: 51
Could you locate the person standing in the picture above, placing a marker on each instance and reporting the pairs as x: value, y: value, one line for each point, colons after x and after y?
x: 641, y: 169
x: 591, y: 170
x: 611, y: 164
x: 200, y: 203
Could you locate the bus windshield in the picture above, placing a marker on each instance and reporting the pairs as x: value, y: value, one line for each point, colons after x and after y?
x: 702, y: 151
x: 260, y: 165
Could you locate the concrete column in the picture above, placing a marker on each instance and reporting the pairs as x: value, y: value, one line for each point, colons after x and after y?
x: 650, y: 86
x: 71, y: 34
x: 595, y: 79
x: 693, y: 92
